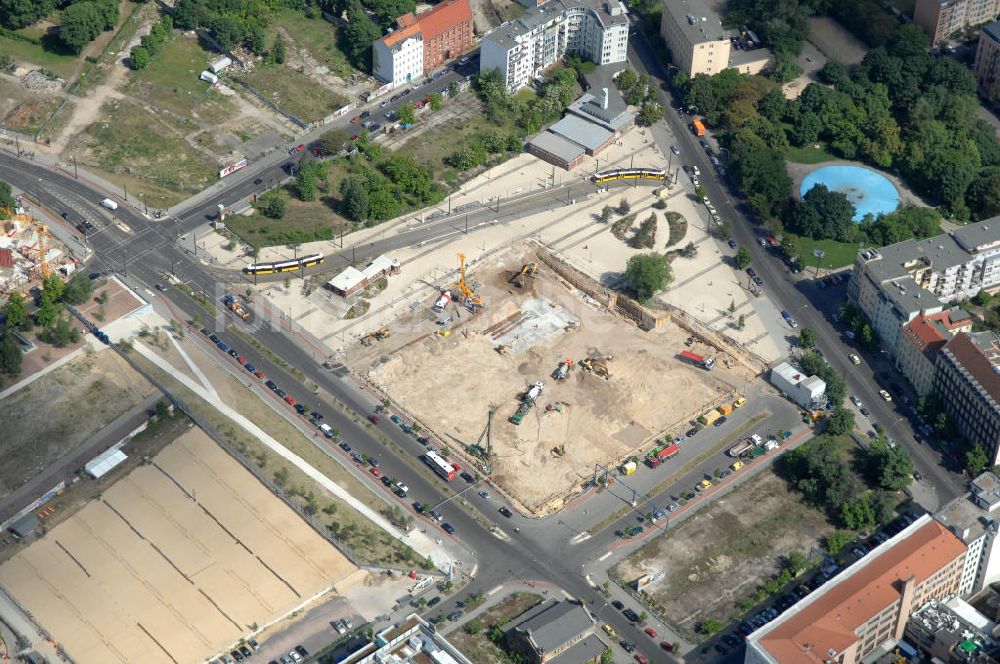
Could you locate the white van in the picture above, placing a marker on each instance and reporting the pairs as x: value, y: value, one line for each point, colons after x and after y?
x: 327, y: 431
x: 110, y: 204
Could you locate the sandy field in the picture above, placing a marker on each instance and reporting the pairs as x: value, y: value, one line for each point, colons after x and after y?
x: 177, y: 560
x: 56, y: 412
x: 450, y: 383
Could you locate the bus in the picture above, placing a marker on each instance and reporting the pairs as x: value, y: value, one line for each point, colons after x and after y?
x: 291, y: 265
x: 440, y: 466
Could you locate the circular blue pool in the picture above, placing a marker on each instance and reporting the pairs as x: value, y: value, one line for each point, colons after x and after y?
x: 869, y: 192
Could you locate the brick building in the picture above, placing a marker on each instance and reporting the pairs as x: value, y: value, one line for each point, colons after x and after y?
x: 423, y: 42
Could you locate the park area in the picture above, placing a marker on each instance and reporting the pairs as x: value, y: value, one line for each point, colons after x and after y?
x: 474, y: 638
x: 487, y: 362
x: 173, y: 562
x: 719, y: 559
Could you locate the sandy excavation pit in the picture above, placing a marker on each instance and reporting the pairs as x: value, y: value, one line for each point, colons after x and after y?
x: 450, y: 383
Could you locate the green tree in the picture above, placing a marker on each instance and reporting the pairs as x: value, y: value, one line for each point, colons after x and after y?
x: 278, y: 50
x: 741, y: 322
x: 15, y: 311
x: 437, y: 101
x: 80, y: 24
x: 62, y: 333
x: 607, y: 657
x: 407, y: 115
x: 79, y: 289
x: 7, y: 202
x: 46, y: 314
x: 807, y: 338
x: 473, y: 627
x: 858, y: 513
x: 975, y: 460
x: 822, y: 214
x: 10, y: 354
x: 138, y: 58
x: 796, y: 562
x: 889, y: 467
x: 649, y: 113
x: 837, y: 540
x: 841, y: 422
x: 358, y: 36
x: 647, y: 273
x: 623, y: 206
x: 53, y: 289
x: 743, y: 258
x: 334, y: 140
x: 273, y: 204
x: 710, y: 626
x: 355, y: 198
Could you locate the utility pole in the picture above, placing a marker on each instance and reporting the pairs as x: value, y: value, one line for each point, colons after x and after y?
x: 126, y: 190
x: 124, y: 264
x: 466, y: 223
x: 17, y: 142
x: 76, y: 173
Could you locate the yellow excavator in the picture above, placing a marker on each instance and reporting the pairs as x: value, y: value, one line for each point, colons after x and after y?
x: 527, y: 270
x: 377, y: 335
x: 470, y: 299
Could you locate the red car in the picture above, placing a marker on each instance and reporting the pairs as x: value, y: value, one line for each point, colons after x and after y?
x: 666, y: 645
x: 375, y: 471
x: 289, y: 400
x: 373, y: 419
x: 259, y: 374
x: 651, y: 632
x: 639, y: 657
x: 356, y: 119
x: 241, y: 360
x: 300, y: 147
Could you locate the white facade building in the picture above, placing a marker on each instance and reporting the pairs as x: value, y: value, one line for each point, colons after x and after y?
x: 972, y: 518
x: 525, y: 47
x: 399, y: 57
x: 806, y: 391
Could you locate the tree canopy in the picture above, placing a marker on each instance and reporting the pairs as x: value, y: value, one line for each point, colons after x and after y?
x: 647, y: 273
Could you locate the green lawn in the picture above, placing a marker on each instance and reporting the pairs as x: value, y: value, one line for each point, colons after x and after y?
x: 63, y: 64
x: 316, y: 35
x: 171, y: 82
x: 811, y: 154
x: 295, y: 93
x: 304, y: 222
x: 133, y: 146
x: 837, y: 254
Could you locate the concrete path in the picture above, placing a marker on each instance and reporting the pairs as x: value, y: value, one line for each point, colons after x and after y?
x: 207, y: 384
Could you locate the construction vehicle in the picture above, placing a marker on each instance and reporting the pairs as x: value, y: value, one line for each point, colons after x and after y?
x: 443, y: 333
x: 726, y: 409
x: 527, y: 270
x: 698, y: 127
x: 661, y: 453
x: 234, y: 305
x: 562, y: 371
x: 741, y: 448
x: 442, y: 301
x: 597, y: 366
x: 470, y: 299
x: 377, y: 335
x: 478, y: 449
x: 628, y: 468
x: 710, y: 417
x: 504, y: 347
x: 527, y: 401
x: 704, y: 363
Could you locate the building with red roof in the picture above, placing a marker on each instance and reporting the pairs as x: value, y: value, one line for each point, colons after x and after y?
x: 866, y: 605
x: 423, y: 42
x: 921, y: 339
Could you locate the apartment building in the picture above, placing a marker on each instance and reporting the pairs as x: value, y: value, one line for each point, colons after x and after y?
x: 919, y: 343
x: 524, y: 48
x: 987, y: 67
x: 972, y: 518
x: 944, y: 18
x: 951, y: 632
x: 894, y: 284
x: 423, y: 42
x: 695, y: 37
x: 867, y: 604
x: 967, y: 381
x: 413, y: 640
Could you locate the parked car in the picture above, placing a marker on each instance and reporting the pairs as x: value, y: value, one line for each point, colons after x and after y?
x: 650, y: 632
x: 506, y: 512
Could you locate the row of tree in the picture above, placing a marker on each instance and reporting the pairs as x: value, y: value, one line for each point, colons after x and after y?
x: 480, y: 149
x: 231, y: 23
x: 81, y: 22
x: 503, y: 108
x: 385, y: 187
x: 140, y: 56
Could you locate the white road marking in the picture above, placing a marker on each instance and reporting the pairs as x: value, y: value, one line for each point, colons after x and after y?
x: 495, y: 590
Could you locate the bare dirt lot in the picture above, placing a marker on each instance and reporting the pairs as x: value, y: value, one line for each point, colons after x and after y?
x: 175, y: 561
x: 52, y: 415
x: 734, y: 546
x: 450, y: 383
x: 835, y: 42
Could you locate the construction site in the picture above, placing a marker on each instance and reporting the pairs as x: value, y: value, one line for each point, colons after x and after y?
x: 28, y: 252
x: 533, y: 381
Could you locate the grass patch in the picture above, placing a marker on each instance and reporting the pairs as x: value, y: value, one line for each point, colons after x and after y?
x: 63, y: 64
x: 478, y: 647
x: 317, y: 36
x: 836, y: 254
x: 171, y: 82
x: 303, y: 222
x: 134, y: 147
x: 294, y: 92
x: 678, y: 228
x: 810, y: 154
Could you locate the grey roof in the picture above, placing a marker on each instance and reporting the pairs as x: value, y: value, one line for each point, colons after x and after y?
x: 553, y: 623
x: 506, y: 34
x: 587, y: 650
x: 908, y: 298
x: 578, y: 130
x: 737, y: 58
x: 975, y: 236
x: 24, y: 526
x: 993, y: 31
x: 964, y: 518
x: 705, y: 25
x: 556, y: 145
x: 986, y: 487
x: 614, y: 117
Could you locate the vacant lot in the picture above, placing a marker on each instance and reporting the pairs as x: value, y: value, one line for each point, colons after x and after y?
x: 174, y: 562
x: 149, y: 154
x: 721, y: 557
x: 835, y: 254
x: 295, y: 93
x: 316, y: 35
x: 52, y: 415
x: 478, y: 647
x: 303, y: 222
x: 835, y: 42
x: 450, y: 384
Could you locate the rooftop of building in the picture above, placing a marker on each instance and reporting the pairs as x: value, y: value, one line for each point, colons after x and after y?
x: 557, y: 146
x: 824, y: 624
x: 789, y: 373
x: 588, y: 134
x: 964, y: 518
x: 986, y: 489
x: 553, y: 623
x: 929, y: 332
x: 978, y: 353
x: 992, y: 31
x: 430, y: 23
x: 746, y: 57
x: 410, y: 641
x: 506, y: 34
x: 697, y: 20
x: 954, y: 625
x: 588, y: 649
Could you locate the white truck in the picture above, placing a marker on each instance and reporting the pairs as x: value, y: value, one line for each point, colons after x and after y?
x: 327, y: 431
x: 110, y: 204
x: 535, y: 390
